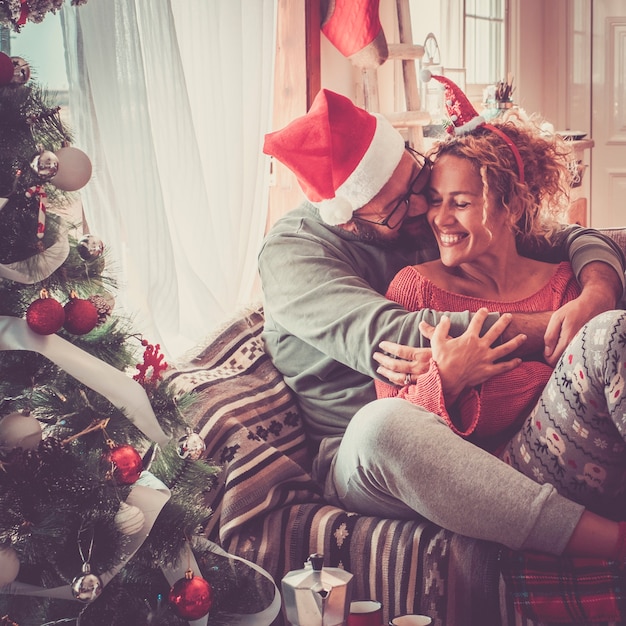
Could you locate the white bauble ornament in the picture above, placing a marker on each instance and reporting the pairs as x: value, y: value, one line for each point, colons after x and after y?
x: 129, y: 519
x: 74, y: 169
x: 19, y: 431
x: 9, y: 565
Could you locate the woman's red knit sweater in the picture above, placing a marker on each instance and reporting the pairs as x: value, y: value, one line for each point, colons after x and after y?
x: 489, y: 414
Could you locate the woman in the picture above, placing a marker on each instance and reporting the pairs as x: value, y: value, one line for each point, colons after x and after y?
x: 565, y: 426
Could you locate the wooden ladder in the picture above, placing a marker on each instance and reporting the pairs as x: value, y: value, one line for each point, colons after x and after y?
x: 407, y: 116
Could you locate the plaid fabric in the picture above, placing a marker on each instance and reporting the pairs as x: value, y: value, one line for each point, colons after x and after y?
x: 551, y: 590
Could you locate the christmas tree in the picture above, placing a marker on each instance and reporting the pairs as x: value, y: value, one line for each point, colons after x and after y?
x: 15, y: 13
x: 104, y: 491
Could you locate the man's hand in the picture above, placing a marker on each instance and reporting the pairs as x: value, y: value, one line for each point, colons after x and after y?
x: 601, y: 291
x: 463, y: 361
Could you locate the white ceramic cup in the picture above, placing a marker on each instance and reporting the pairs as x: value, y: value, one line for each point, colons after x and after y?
x: 365, y: 613
x: 411, y: 620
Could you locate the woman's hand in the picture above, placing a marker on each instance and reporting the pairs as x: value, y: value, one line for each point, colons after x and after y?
x: 471, y: 359
x: 463, y: 361
x: 399, y: 364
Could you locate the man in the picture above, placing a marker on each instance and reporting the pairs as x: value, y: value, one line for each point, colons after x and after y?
x: 325, y: 268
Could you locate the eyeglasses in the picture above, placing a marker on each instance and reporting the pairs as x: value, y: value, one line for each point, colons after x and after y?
x: 416, y: 188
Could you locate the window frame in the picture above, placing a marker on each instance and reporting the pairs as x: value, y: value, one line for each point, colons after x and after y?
x: 474, y: 89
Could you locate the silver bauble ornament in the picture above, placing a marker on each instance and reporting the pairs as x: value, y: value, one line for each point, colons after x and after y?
x: 19, y: 431
x: 86, y: 587
x: 9, y: 565
x: 45, y: 164
x: 90, y: 247
x: 129, y: 519
x: 190, y: 446
x: 21, y: 71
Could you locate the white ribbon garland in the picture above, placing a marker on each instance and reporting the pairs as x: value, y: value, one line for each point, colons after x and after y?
x: 262, y: 618
x: 39, y: 266
x: 148, y: 494
x: 121, y: 390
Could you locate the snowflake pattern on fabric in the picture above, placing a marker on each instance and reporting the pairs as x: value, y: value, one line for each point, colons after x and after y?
x: 574, y: 437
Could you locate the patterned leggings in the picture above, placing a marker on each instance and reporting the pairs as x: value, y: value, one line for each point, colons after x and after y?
x: 575, y: 437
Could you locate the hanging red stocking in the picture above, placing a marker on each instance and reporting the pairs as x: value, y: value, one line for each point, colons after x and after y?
x: 354, y: 28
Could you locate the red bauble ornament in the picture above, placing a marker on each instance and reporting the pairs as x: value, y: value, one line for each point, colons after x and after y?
x: 81, y: 316
x: 191, y: 597
x: 45, y: 315
x: 6, y: 69
x: 126, y: 462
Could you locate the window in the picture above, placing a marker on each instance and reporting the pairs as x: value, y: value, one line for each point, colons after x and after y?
x: 472, y: 39
x: 485, y: 49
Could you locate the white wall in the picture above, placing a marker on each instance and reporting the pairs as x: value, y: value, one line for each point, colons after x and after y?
x: 551, y: 59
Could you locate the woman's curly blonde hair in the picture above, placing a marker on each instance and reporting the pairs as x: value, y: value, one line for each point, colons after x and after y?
x: 536, y: 207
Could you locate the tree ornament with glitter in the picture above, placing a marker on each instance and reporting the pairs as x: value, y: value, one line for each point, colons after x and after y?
x: 45, y: 316
x: 149, y: 372
x: 81, y: 316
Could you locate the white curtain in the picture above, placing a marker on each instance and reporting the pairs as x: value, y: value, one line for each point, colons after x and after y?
x: 171, y: 99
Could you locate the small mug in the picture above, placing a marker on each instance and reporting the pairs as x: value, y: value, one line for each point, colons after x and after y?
x: 411, y: 620
x: 365, y: 613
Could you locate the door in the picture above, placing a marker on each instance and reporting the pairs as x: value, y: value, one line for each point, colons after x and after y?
x: 608, y: 114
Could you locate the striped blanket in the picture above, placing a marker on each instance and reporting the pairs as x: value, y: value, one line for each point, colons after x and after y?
x: 267, y: 508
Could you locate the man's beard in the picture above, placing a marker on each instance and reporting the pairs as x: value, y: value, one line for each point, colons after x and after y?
x: 409, y: 236
x: 413, y: 232
x: 369, y: 234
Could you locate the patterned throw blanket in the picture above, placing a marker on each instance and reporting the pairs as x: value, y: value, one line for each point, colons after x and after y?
x: 549, y: 590
x: 267, y: 509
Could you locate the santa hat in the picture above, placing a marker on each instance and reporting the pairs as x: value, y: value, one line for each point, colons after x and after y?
x: 465, y: 118
x: 341, y: 154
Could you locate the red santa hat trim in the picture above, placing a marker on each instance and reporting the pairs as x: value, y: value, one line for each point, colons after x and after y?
x: 465, y: 118
x: 341, y: 154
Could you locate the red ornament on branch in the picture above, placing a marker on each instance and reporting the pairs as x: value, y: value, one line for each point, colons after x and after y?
x: 81, y: 316
x: 126, y: 463
x: 152, y: 367
x: 6, y: 69
x: 45, y: 315
x: 191, y: 596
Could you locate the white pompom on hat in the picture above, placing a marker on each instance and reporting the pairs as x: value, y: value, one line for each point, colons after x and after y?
x: 341, y: 154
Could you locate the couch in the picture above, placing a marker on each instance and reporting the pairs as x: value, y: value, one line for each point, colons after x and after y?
x: 267, y: 509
